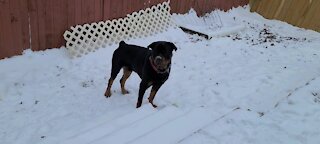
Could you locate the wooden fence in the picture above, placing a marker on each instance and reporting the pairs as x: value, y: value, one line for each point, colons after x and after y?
x: 301, y: 13
x: 40, y: 24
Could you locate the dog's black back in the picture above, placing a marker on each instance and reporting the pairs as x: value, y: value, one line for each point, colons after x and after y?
x: 131, y: 56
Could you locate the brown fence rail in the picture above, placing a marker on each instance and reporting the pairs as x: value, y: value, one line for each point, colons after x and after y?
x: 301, y: 13
x: 40, y: 24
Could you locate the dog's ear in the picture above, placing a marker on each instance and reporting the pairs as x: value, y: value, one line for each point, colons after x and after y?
x: 153, y: 45
x: 172, y: 46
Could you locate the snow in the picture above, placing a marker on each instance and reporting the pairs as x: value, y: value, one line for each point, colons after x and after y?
x: 210, y: 25
x: 260, y: 85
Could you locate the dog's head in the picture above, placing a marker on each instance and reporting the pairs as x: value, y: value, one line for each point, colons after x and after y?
x: 161, y: 54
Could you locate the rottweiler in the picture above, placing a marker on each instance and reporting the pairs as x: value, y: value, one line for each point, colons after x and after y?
x: 152, y: 64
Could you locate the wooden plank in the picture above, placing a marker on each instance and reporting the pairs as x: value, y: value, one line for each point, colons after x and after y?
x: 284, y: 10
x: 64, y: 21
x: 113, y: 9
x: 297, y: 9
x: 22, y: 24
x: 263, y: 7
x: 98, y: 10
x: 34, y: 23
x: 189, y: 5
x: 140, y: 5
x: 90, y: 6
x: 84, y: 11
x: 254, y: 5
x: 312, y: 17
x: 308, y: 21
x: 14, y: 23
x: 46, y: 24
x: 304, y: 9
x: 106, y: 9
x: 145, y: 4
x: 235, y: 3
x: 303, y: 13
x: 227, y: 5
x: 120, y: 11
x: 126, y: 7
x: 153, y: 2
x: 87, y: 14
x: 212, y: 5
x: 279, y: 9
x: 199, y: 6
x: 290, y: 9
x: 181, y: 7
x: 205, y: 7
x: 60, y: 22
x: 14, y: 35
x: 56, y: 23
x: 2, y: 36
x: 317, y: 23
x: 25, y: 24
x: 174, y: 6
x: 78, y: 13
x: 71, y: 13
x: 218, y: 4
x: 272, y: 8
x: 244, y: 2
x: 6, y: 41
x: 316, y: 19
x: 134, y: 6
x: 39, y: 29
x: 130, y: 5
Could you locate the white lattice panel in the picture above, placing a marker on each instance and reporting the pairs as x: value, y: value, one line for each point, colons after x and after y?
x: 86, y: 38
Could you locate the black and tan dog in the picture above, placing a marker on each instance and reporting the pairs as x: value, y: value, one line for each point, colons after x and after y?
x: 152, y: 65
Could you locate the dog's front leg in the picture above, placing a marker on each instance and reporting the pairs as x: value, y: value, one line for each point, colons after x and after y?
x: 153, y: 93
x: 143, y: 87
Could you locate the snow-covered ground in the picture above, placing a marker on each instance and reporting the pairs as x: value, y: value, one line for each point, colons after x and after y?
x: 258, y: 86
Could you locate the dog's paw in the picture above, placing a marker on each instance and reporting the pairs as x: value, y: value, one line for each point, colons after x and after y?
x: 125, y: 92
x: 107, y: 94
x: 138, y: 105
x: 153, y: 105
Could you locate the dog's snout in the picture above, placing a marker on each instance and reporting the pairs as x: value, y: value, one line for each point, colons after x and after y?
x: 158, y: 59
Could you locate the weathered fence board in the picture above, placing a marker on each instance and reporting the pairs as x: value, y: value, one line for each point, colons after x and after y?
x: 301, y: 13
x: 14, y: 27
x: 44, y: 21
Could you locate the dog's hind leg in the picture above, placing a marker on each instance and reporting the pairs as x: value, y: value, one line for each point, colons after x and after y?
x: 126, y: 74
x: 114, y: 72
x: 108, y: 91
